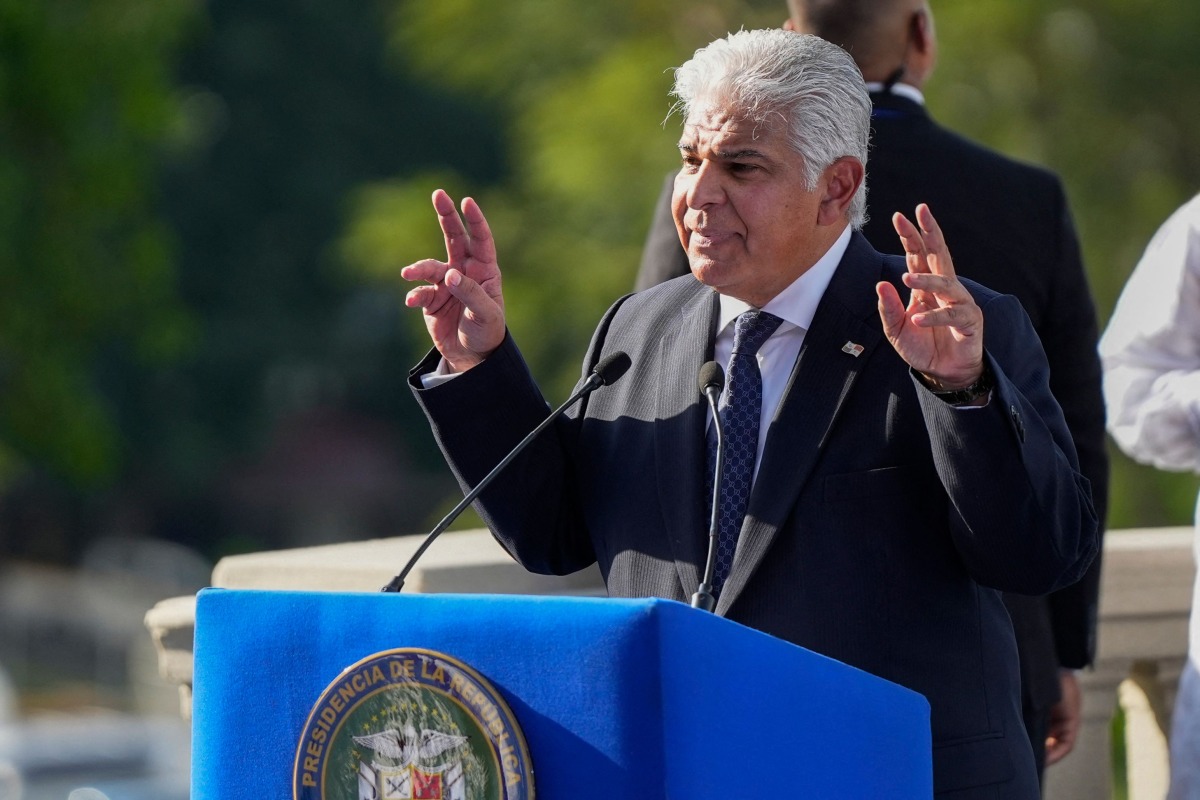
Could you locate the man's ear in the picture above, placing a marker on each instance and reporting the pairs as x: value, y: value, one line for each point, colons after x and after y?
x: 841, y: 180
x: 920, y: 31
x: 789, y: 24
x: 922, y: 51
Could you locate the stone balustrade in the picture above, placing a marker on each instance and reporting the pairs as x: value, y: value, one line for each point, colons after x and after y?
x: 1145, y: 599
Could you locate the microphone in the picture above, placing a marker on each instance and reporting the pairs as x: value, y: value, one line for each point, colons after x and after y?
x: 608, y: 371
x: 712, y: 382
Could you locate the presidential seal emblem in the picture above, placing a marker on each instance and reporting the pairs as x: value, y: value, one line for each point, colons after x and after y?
x: 411, y: 724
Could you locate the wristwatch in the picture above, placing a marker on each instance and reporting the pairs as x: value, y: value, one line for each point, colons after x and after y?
x: 968, y: 394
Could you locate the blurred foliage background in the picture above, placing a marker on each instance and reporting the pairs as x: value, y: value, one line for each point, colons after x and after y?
x: 204, y: 207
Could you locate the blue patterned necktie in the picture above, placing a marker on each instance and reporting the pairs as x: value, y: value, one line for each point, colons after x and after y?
x: 740, y: 409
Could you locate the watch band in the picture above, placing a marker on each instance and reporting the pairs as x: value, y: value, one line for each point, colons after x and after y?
x: 968, y: 394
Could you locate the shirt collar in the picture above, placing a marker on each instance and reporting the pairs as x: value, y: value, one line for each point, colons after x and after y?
x: 900, y: 90
x: 797, y: 304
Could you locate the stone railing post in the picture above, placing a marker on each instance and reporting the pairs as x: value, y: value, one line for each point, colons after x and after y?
x: 1145, y: 598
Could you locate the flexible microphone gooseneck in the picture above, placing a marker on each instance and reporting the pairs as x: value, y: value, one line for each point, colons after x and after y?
x: 712, y: 382
x: 607, y: 372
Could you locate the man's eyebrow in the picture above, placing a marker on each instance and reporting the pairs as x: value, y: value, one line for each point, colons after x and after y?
x: 728, y: 155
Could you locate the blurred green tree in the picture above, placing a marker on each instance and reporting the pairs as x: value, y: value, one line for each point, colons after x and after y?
x: 173, y: 176
x: 289, y: 105
x: 86, y: 109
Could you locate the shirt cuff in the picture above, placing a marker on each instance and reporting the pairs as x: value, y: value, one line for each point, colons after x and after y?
x: 439, y: 376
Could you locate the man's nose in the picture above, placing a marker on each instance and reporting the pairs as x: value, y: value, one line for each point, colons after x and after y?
x: 705, y: 188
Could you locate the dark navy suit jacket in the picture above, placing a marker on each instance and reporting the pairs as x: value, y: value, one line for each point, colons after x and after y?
x: 883, y: 522
x: 1008, y: 226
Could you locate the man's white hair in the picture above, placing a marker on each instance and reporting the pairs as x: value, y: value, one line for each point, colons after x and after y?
x: 774, y: 77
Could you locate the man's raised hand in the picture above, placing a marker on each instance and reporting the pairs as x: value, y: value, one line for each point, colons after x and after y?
x: 940, y: 332
x: 461, y: 297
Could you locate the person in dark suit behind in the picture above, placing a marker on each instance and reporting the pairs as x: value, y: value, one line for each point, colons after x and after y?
x: 1011, y: 230
x: 913, y: 461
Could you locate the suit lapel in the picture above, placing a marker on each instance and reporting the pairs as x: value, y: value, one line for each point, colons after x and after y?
x: 681, y: 456
x: 821, y: 379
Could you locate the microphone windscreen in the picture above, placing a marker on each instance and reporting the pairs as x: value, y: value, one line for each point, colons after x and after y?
x: 611, y: 368
x: 711, y: 375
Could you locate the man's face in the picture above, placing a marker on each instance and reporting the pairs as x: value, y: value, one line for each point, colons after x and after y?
x: 744, y: 215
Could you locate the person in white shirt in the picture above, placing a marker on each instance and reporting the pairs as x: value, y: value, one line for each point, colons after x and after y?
x: 1151, y: 357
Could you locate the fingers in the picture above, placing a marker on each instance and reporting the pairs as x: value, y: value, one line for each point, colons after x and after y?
x: 911, y: 241
x: 427, y: 269
x: 482, y: 245
x: 891, y: 308
x: 1056, y: 751
x: 925, y: 247
x: 480, y: 307
x: 432, y: 295
x: 956, y: 317
x: 938, y: 298
x: 458, y: 244
x: 428, y: 297
x: 941, y: 301
x: 936, y: 290
x: 460, y: 297
x: 1065, y: 717
x: 1059, y: 743
x: 470, y: 249
x: 935, y: 242
x: 931, y: 282
x: 463, y: 242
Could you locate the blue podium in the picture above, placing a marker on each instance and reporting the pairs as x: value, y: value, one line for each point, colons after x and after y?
x: 640, y: 699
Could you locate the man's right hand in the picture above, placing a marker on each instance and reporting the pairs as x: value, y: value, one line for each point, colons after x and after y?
x: 1065, y: 718
x: 461, y: 300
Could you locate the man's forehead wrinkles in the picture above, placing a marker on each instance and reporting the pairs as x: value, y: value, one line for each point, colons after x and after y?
x: 723, y: 138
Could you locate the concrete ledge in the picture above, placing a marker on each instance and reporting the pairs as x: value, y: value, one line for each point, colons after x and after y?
x: 172, y: 624
x: 1145, y: 594
x: 459, y: 561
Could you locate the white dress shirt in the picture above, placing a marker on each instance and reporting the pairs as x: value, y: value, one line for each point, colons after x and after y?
x: 899, y: 89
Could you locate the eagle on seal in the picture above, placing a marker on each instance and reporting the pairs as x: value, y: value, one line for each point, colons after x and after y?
x: 407, y: 746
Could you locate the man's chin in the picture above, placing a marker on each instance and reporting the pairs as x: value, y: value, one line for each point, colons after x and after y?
x: 704, y: 268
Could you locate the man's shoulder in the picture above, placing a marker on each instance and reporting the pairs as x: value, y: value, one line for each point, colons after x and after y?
x: 956, y: 149
x: 660, y: 304
x: 1006, y: 221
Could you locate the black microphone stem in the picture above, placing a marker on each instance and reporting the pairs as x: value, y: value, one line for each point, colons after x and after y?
x: 712, y: 382
x: 606, y: 372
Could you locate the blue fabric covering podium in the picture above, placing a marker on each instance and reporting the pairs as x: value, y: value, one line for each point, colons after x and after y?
x: 641, y: 699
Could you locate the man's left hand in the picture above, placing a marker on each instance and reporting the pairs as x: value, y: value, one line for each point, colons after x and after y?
x: 940, y: 333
